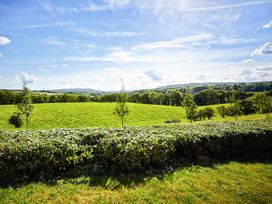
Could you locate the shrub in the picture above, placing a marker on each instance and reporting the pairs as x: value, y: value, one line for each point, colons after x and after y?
x: 128, y: 150
x: 173, y: 121
x: 16, y: 120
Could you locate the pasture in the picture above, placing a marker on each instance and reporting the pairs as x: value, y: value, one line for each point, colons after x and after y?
x: 83, y: 115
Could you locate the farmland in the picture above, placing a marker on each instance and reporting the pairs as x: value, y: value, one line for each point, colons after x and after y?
x: 82, y: 115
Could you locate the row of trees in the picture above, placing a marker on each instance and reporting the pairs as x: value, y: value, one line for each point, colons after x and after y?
x: 261, y: 102
x: 258, y: 102
x: 14, y: 97
x: 169, y: 97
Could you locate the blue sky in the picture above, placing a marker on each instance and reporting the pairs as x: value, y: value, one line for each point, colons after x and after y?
x: 143, y: 43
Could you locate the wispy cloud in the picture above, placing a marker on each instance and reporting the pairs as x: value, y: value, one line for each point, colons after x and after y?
x: 227, y: 6
x: 176, y: 43
x: 60, y: 24
x: 4, y: 40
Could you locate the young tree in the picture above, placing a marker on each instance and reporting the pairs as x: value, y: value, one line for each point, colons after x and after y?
x: 190, y: 106
x: 121, y: 109
x: 24, y: 106
x: 235, y: 108
x: 262, y: 103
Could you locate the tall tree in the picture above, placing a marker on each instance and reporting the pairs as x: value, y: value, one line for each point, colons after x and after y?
x: 24, y: 106
x: 262, y: 103
x: 235, y: 108
x: 121, y: 109
x: 190, y: 106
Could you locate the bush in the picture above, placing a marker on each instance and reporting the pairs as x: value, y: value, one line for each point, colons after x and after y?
x: 222, y: 110
x: 128, y: 150
x: 16, y: 120
x: 173, y: 121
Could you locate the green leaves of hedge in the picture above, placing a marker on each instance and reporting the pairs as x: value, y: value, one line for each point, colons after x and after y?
x: 128, y: 150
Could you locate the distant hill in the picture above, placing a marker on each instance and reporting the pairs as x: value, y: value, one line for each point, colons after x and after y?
x: 75, y: 90
x: 196, y: 87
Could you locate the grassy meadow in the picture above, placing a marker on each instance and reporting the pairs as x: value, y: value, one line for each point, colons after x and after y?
x: 226, y: 183
x: 82, y: 115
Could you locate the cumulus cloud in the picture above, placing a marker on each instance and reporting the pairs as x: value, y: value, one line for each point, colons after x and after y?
x: 27, y: 78
x: 268, y: 25
x: 265, y: 69
x: 154, y: 75
x: 4, y: 40
x: 262, y: 50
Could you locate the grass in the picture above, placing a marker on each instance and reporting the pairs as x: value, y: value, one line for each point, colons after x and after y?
x: 227, y: 183
x: 80, y: 115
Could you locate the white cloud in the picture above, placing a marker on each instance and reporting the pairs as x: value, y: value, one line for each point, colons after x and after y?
x: 59, y: 24
x: 1, y: 54
x: 246, y: 61
x: 117, y: 73
x: 4, y: 40
x: 65, y: 65
x: 28, y: 78
x: 111, y: 34
x: 118, y: 56
x: 53, y: 41
x: 262, y: 50
x: 68, y: 82
x: 176, y: 43
x: 201, y: 78
x: 158, y: 6
x: 268, y: 25
x: 154, y: 75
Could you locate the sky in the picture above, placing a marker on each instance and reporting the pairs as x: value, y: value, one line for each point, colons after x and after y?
x: 143, y: 44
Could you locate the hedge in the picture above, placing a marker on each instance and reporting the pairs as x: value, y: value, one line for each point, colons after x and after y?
x: 134, y: 149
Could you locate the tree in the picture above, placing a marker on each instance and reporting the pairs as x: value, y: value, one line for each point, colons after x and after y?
x: 24, y: 106
x: 121, y: 109
x: 222, y: 110
x: 209, y: 112
x: 190, y: 106
x: 262, y: 103
x: 235, y: 108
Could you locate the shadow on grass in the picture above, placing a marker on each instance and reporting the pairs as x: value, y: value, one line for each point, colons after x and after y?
x: 94, y: 175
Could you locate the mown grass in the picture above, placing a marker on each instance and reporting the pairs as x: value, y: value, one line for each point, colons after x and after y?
x: 226, y: 183
x: 80, y: 115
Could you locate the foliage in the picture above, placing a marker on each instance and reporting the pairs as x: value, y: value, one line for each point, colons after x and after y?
x: 127, y: 150
x: 235, y: 108
x: 121, y: 109
x: 16, y: 119
x: 222, y: 110
x: 262, y: 102
x: 190, y: 107
x: 247, y: 106
x: 24, y: 106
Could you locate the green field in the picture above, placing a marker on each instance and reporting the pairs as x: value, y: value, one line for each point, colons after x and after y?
x: 227, y: 183
x: 79, y: 115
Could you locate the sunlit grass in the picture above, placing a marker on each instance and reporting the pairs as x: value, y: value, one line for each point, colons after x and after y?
x: 227, y: 183
x: 79, y: 115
